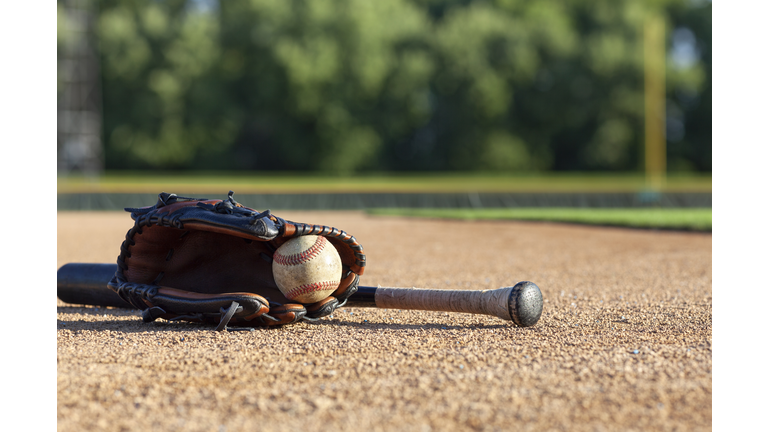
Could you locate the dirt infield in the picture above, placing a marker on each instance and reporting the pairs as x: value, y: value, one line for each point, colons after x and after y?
x: 624, y: 343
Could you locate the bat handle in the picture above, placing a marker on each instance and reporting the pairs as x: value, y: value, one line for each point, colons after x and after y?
x: 522, y: 303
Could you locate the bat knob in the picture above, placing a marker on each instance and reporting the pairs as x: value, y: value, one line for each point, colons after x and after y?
x: 525, y: 304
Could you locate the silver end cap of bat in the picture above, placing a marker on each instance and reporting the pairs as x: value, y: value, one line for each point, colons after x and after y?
x: 525, y: 304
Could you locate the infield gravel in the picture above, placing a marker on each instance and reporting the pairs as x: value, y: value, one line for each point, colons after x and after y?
x: 624, y: 342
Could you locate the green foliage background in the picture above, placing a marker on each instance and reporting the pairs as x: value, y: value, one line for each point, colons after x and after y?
x: 346, y: 86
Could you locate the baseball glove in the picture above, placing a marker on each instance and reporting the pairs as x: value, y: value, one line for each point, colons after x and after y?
x: 210, y: 261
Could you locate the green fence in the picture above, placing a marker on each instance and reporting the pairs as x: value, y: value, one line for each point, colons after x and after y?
x: 363, y: 201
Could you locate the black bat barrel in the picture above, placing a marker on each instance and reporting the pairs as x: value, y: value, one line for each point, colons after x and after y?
x: 86, y: 283
x: 364, y: 297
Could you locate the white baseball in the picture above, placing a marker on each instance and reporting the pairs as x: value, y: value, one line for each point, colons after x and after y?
x: 307, y: 269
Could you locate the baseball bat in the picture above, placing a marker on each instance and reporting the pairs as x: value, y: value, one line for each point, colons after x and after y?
x: 86, y: 283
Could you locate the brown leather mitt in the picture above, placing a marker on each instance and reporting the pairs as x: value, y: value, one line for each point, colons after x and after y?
x: 210, y: 261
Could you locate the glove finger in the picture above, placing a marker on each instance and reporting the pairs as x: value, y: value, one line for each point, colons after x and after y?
x: 172, y: 303
x: 322, y: 308
x: 327, y: 306
x: 182, y: 302
x: 347, y: 287
x: 285, y: 314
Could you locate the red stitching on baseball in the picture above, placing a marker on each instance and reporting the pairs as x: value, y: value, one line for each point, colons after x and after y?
x: 311, y: 287
x: 301, y: 257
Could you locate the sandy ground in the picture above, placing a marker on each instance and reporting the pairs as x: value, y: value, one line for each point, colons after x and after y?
x: 624, y: 343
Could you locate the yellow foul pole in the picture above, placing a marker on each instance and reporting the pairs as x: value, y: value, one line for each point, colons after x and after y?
x: 655, y: 102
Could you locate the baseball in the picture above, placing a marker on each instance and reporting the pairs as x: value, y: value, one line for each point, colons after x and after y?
x: 307, y: 269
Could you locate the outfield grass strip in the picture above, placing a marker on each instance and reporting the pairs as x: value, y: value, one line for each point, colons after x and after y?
x: 695, y: 219
x: 208, y: 182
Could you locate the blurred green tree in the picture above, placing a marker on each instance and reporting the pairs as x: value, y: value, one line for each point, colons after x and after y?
x: 324, y: 85
x: 344, y: 86
x: 689, y: 120
x: 165, y: 104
